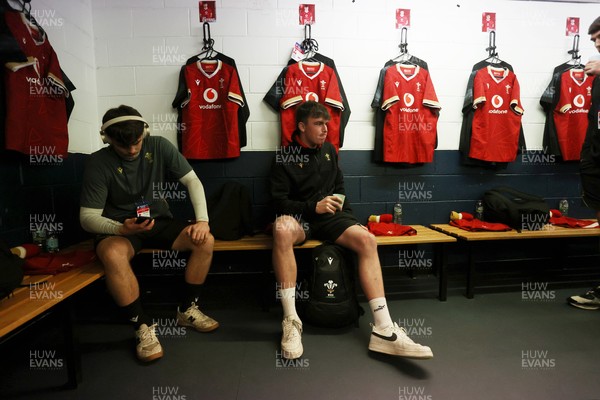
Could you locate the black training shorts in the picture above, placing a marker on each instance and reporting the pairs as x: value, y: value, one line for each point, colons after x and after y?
x: 330, y: 227
x: 162, y: 236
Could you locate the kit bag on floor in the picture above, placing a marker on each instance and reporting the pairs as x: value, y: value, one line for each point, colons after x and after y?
x: 332, y: 300
x: 516, y: 209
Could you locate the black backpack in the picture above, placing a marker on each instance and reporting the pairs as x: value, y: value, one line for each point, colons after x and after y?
x: 332, y: 300
x: 230, y: 212
x: 11, y: 270
x: 516, y: 209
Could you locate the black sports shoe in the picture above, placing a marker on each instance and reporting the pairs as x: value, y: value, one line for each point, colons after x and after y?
x: 588, y: 301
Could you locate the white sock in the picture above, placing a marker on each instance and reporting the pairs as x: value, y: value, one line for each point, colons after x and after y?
x: 381, y: 314
x: 288, y: 302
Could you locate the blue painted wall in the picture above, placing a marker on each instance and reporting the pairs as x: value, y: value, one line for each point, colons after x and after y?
x: 428, y: 193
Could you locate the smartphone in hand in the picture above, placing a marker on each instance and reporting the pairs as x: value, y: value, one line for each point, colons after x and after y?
x: 139, y: 220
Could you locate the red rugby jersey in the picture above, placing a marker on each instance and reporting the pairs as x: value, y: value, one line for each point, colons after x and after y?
x: 571, y: 112
x: 209, y: 115
x: 36, y: 113
x: 411, y: 105
x: 497, y: 117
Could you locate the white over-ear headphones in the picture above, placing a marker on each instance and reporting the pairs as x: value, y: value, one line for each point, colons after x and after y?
x: 106, y: 139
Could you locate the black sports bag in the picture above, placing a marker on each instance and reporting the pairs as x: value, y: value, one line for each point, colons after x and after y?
x: 516, y: 209
x: 332, y: 300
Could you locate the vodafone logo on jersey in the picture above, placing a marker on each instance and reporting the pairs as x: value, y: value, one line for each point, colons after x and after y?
x: 497, y: 101
x: 210, y: 95
x: 579, y: 100
x: 409, y: 99
x: 311, y: 96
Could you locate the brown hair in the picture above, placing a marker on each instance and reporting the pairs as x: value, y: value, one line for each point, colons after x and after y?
x: 594, y: 27
x: 311, y: 109
x: 126, y: 132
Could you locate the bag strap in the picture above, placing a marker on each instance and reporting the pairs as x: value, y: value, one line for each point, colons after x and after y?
x: 517, y: 196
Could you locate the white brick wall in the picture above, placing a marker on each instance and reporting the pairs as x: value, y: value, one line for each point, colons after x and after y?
x: 130, y: 51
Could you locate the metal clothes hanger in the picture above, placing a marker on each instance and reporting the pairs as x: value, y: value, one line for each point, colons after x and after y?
x: 404, y: 57
x: 575, y: 57
x: 309, y: 45
x: 207, y: 53
x: 493, y: 57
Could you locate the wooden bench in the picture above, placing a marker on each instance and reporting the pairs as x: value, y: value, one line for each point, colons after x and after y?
x: 41, y: 295
x: 424, y: 235
x: 471, y: 238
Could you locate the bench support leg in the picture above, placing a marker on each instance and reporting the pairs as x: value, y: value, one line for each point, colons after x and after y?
x: 442, y: 265
x: 72, y: 356
x: 470, y: 272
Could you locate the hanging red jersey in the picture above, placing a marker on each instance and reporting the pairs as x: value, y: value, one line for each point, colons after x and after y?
x: 36, y: 113
x: 209, y: 117
x: 571, y: 112
x: 306, y: 81
x: 497, y: 117
x: 411, y: 105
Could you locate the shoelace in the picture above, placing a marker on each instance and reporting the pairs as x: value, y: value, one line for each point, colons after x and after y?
x: 290, y: 333
x: 148, y: 335
x: 592, y: 293
x: 400, y: 329
x: 194, y: 311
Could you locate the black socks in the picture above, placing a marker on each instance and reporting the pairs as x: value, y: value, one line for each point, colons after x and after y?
x: 135, y: 314
x: 191, y: 294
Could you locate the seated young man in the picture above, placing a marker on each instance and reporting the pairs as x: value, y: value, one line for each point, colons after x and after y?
x: 307, y: 189
x: 118, y: 205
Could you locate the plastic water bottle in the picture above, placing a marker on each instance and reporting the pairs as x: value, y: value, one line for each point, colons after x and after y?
x: 479, y: 210
x: 563, y: 207
x: 52, y: 242
x: 39, y: 238
x: 398, y: 213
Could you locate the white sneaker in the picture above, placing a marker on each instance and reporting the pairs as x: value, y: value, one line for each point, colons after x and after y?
x: 196, y: 319
x: 291, y: 340
x: 393, y: 340
x: 148, y: 347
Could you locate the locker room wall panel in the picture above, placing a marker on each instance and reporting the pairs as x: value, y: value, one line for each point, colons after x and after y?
x: 48, y: 175
x: 18, y: 203
x: 360, y: 37
x: 208, y: 169
x: 353, y: 187
x: 371, y: 188
x: 66, y: 207
x: 359, y: 163
x: 9, y: 169
x: 530, y: 36
x: 254, y: 164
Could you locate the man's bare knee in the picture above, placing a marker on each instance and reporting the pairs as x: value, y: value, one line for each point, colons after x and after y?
x: 359, y: 240
x: 286, y: 231
x: 114, y: 249
x: 205, y: 247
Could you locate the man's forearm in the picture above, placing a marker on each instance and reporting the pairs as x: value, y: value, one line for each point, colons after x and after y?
x: 91, y: 220
x: 197, y: 197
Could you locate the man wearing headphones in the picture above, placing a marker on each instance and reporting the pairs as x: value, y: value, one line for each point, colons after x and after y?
x: 118, y: 205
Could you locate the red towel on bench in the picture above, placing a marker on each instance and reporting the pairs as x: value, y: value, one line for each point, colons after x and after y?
x: 475, y: 225
x: 53, y: 263
x: 390, y: 229
x: 556, y: 218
